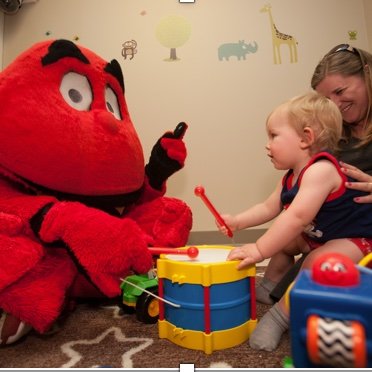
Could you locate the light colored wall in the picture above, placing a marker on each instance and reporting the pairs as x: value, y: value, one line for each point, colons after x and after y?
x: 224, y: 103
x: 367, y: 15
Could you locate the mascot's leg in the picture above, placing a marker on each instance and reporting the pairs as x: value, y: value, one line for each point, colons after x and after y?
x: 18, y: 256
x: 39, y: 296
x: 167, y: 220
x: 11, y: 328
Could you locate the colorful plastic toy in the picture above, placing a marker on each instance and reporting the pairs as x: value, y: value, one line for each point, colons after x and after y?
x: 330, y: 314
x: 217, y: 302
x: 136, y: 296
x: 140, y: 292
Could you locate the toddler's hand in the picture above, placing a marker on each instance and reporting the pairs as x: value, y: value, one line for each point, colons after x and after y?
x: 230, y: 221
x: 248, y: 254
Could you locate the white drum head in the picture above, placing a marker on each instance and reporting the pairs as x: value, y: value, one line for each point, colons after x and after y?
x: 206, y: 255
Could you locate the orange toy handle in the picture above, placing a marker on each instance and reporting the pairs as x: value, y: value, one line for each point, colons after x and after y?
x: 199, y: 191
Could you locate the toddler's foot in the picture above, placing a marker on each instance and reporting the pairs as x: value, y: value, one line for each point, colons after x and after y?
x: 263, y: 290
x: 269, y: 330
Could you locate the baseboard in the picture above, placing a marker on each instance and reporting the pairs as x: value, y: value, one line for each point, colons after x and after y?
x: 215, y: 237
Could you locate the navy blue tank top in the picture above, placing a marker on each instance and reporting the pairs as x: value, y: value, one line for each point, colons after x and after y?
x: 339, y: 217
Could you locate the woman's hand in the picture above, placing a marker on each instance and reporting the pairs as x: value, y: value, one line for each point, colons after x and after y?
x: 364, y: 182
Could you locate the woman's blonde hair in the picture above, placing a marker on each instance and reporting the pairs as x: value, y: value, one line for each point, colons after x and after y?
x: 319, y: 113
x: 346, y: 60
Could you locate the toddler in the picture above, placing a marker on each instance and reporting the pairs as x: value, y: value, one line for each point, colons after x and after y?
x: 311, y: 204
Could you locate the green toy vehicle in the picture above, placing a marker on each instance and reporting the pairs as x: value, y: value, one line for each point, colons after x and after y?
x: 136, y: 292
x: 140, y: 292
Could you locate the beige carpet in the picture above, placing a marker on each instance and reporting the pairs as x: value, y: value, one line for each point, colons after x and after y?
x: 95, y: 336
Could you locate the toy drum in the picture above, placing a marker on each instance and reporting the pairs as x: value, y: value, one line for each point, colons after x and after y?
x: 208, y: 304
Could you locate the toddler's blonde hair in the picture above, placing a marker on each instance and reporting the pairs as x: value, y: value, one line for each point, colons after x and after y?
x: 319, y: 113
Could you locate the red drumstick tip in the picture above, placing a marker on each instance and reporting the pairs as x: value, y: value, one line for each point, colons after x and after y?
x: 193, y: 252
x: 199, y: 190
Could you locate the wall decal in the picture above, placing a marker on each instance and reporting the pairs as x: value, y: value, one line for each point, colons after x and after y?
x: 353, y: 34
x: 279, y: 38
x: 239, y: 50
x: 173, y: 32
x: 129, y: 49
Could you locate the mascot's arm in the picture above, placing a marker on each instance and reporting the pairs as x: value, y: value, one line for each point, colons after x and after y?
x: 167, y: 157
x: 19, y: 249
x: 22, y: 206
x: 105, y: 247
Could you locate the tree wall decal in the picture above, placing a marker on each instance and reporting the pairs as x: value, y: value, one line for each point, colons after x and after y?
x: 173, y: 32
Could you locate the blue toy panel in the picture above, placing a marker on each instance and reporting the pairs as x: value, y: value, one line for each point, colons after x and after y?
x: 329, y: 302
x: 229, y: 305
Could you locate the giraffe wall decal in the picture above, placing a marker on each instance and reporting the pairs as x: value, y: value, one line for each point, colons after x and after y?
x: 279, y: 39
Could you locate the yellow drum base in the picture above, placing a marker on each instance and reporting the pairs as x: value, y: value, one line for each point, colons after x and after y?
x: 198, y: 340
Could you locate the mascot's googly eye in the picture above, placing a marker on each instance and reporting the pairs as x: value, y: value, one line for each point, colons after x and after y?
x: 112, y: 103
x: 325, y: 266
x: 339, y: 267
x: 76, y: 91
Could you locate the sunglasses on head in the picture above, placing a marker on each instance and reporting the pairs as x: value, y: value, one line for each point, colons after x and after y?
x: 350, y: 49
x: 344, y: 48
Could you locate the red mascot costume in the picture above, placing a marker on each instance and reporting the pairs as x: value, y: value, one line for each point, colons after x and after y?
x: 78, y: 205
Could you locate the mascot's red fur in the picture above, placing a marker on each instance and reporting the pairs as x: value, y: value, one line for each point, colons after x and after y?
x: 78, y: 206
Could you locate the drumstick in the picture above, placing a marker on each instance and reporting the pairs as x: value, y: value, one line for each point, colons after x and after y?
x: 199, y: 191
x: 150, y: 293
x: 192, y: 252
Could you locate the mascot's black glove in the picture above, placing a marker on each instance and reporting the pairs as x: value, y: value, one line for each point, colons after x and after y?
x: 167, y: 156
